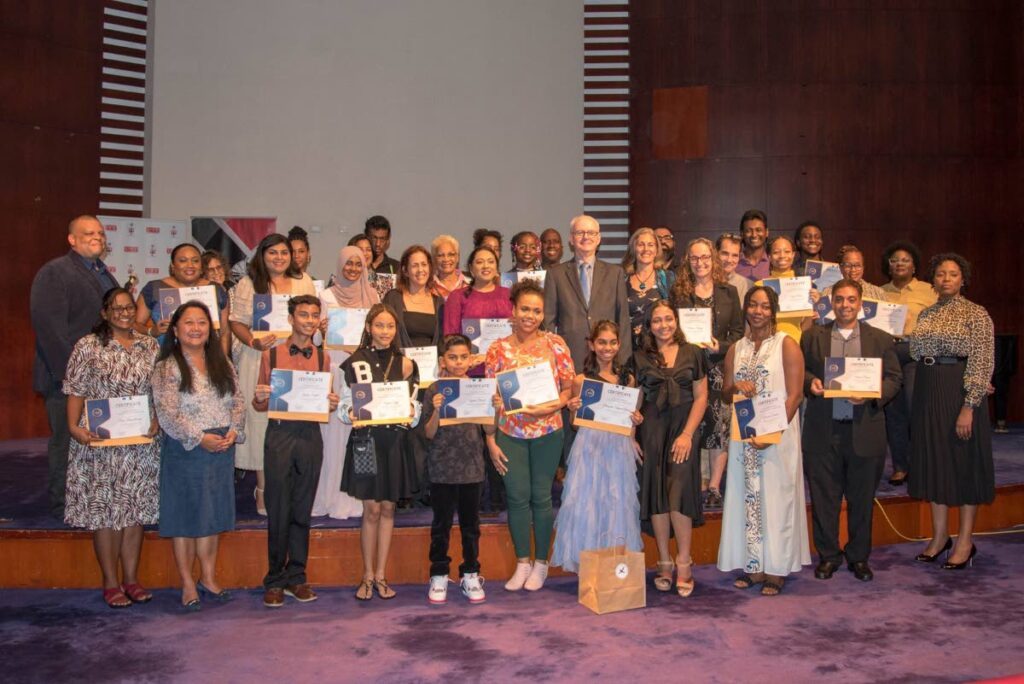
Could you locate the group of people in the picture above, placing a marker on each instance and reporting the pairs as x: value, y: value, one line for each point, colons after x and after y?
x: 208, y: 375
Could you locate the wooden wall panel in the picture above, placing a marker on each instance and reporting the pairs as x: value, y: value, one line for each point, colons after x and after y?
x: 50, y: 55
x: 880, y: 119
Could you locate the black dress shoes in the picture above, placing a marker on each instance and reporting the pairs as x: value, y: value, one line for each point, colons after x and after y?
x: 826, y: 569
x: 861, y: 571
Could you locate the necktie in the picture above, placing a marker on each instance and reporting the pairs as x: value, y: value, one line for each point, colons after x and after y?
x: 307, y: 352
x: 585, y: 281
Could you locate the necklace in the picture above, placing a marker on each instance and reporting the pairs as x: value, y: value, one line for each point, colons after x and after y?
x: 643, y: 283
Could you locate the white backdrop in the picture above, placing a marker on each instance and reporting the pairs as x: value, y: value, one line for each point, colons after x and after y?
x: 142, y: 246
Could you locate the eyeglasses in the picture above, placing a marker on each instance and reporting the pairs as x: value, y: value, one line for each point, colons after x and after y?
x: 586, y: 233
x: 122, y: 309
x: 898, y: 260
x: 700, y: 259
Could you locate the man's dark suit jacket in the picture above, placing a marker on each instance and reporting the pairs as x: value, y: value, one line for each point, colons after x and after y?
x: 868, y: 418
x: 566, y: 313
x: 64, y: 306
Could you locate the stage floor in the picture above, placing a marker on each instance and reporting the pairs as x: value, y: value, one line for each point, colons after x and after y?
x: 23, y: 504
x: 914, y: 623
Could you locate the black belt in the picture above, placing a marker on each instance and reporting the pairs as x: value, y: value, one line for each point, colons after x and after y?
x: 942, y: 360
x: 843, y: 421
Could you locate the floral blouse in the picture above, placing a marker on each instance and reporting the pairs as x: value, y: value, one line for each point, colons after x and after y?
x: 503, y: 356
x: 958, y: 327
x: 185, y: 416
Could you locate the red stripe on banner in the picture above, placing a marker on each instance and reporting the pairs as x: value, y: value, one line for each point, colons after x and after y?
x: 251, y: 230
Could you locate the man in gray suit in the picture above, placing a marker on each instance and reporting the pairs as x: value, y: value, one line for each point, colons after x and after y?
x: 64, y: 304
x: 585, y: 290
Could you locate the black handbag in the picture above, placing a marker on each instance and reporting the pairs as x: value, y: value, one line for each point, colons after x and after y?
x: 364, y: 455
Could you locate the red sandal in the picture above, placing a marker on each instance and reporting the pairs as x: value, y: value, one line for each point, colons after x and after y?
x: 137, y: 593
x: 115, y: 598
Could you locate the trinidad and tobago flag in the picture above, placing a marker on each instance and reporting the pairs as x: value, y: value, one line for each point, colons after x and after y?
x: 235, y: 238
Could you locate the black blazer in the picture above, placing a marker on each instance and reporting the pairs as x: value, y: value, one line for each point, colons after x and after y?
x: 394, y: 299
x: 64, y: 305
x: 727, y: 320
x: 868, y: 418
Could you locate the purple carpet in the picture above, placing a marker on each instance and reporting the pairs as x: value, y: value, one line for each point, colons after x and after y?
x: 914, y: 623
x: 23, y: 488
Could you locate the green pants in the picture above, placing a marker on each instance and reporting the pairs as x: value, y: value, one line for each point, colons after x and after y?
x: 531, y: 471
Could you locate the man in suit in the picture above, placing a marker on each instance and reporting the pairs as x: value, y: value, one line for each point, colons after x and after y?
x: 585, y: 290
x: 844, y: 439
x: 64, y: 305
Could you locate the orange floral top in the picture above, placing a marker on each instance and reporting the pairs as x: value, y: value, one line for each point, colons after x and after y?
x: 503, y: 355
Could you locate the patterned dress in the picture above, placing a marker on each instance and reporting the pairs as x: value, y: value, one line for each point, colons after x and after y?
x: 111, y: 487
x: 764, y: 518
x: 945, y: 469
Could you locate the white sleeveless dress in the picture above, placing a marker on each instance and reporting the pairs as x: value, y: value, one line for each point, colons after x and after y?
x: 764, y: 517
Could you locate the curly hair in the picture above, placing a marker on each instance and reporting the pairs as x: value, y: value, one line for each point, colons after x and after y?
x: 900, y: 246
x: 773, y: 302
x: 685, y: 279
x: 961, y: 262
x: 524, y: 287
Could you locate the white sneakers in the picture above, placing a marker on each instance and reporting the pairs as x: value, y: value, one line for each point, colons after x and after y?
x: 537, y: 576
x: 438, y: 592
x: 473, y: 587
x: 529, y: 576
x: 519, y: 577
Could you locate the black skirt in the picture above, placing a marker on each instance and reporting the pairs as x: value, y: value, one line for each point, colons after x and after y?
x: 945, y: 469
x: 667, y: 487
x: 396, y: 468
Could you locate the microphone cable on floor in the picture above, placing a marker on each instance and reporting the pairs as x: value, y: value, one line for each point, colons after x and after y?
x: 1016, y: 529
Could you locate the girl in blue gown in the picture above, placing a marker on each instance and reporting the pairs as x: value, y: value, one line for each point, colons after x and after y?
x: 600, y: 504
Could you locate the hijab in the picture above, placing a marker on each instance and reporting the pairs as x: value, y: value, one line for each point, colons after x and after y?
x: 357, y: 294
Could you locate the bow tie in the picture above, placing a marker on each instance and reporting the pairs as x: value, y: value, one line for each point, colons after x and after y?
x: 294, y: 349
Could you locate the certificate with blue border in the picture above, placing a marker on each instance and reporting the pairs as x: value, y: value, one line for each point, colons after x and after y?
x: 381, y: 403
x: 527, y: 386
x: 608, y: 407
x: 120, y: 420
x: 467, y: 400
x: 299, y: 395
x: 270, y: 315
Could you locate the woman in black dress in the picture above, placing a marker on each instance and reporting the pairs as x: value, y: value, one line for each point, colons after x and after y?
x: 951, y: 439
x: 673, y: 376
x: 420, y: 315
x: 701, y: 284
x: 392, y: 474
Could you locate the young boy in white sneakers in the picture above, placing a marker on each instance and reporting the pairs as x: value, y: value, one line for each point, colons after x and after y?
x: 455, y: 465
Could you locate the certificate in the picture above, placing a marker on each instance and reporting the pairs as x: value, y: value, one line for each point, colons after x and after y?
x: 823, y: 312
x: 299, y: 395
x: 173, y: 297
x: 483, y: 331
x: 696, y: 325
x: 120, y: 420
x: 886, y: 316
x: 762, y: 416
x: 467, y: 400
x: 607, y: 407
x: 823, y: 274
x: 426, y: 362
x: 794, y: 295
x: 345, y: 327
x: 319, y: 286
x: 270, y: 315
x: 512, y: 277
x: 527, y: 386
x: 381, y: 403
x: 853, y: 378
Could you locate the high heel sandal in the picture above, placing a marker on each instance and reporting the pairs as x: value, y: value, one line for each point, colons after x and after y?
x: 663, y: 580
x: 960, y: 566
x: 925, y: 558
x: 256, y: 496
x: 685, y: 587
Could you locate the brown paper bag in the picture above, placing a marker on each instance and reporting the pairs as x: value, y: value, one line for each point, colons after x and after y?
x: 612, y: 579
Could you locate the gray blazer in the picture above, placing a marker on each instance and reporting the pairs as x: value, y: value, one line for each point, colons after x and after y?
x: 64, y: 305
x: 567, y: 314
x: 869, y: 417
